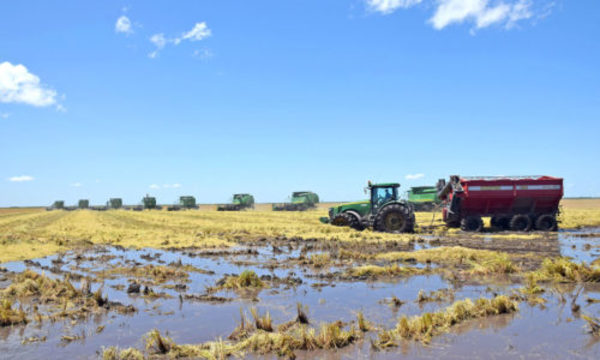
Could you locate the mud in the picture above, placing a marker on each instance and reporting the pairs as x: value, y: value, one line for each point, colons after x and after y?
x: 181, y: 293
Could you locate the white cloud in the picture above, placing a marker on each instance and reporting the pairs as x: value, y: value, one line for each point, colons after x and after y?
x: 414, y: 176
x: 199, y: 32
x: 76, y: 184
x: 172, y: 186
x: 482, y: 12
x: 18, y: 85
x: 4, y: 115
x: 389, y: 6
x: 154, y: 186
x: 123, y: 25
x: 203, y: 54
x: 21, y: 178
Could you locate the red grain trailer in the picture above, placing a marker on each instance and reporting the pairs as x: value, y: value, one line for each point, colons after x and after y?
x: 519, y: 203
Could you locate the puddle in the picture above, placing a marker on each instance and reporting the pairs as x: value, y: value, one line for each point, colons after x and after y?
x: 549, y: 332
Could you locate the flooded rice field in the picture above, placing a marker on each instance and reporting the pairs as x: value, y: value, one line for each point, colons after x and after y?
x: 298, y: 298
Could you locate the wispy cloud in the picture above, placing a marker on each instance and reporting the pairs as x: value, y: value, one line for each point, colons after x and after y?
x: 389, y: 6
x: 4, y: 115
x: 199, y: 32
x: 123, y: 25
x: 414, y: 176
x: 21, y: 178
x: 481, y: 13
x: 76, y: 184
x: 154, y: 186
x: 18, y: 85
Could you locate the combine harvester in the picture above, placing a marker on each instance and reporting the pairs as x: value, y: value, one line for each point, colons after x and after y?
x: 114, y: 203
x: 240, y: 202
x: 57, y: 205
x: 518, y: 203
x: 185, y: 202
x: 301, y: 201
x: 149, y: 203
x: 384, y: 211
x: 83, y: 204
x: 423, y: 198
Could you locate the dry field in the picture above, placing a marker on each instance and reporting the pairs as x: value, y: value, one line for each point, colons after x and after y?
x: 207, y: 284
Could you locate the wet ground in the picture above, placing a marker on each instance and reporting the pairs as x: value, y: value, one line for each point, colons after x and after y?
x: 189, y: 305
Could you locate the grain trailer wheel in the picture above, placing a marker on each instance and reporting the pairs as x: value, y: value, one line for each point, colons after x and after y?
x: 520, y: 222
x: 500, y: 222
x: 471, y: 223
x: 546, y: 222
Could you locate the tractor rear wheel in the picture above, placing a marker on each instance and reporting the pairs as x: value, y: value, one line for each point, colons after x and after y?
x: 546, y: 222
x: 520, y: 223
x: 471, y: 223
x: 347, y: 219
x: 395, y: 218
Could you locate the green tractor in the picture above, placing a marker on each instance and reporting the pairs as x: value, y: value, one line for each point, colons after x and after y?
x: 185, y: 202
x: 423, y: 198
x: 83, y: 204
x: 384, y: 211
x: 301, y: 201
x: 114, y: 203
x: 240, y: 202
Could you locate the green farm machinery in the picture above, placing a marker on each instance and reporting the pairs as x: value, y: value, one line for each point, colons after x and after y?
x: 149, y: 203
x: 423, y: 198
x: 301, y: 201
x: 114, y: 203
x: 384, y: 211
x: 185, y: 202
x: 240, y: 202
x: 83, y: 204
x: 57, y: 205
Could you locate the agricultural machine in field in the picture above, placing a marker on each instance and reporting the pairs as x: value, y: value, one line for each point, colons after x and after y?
x: 185, y: 202
x: 57, y: 205
x: 423, y: 198
x: 384, y: 211
x: 114, y: 203
x: 301, y: 201
x: 83, y: 204
x: 149, y: 203
x: 240, y: 202
x: 518, y: 203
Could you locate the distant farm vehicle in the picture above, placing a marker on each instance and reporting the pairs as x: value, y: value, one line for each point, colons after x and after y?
x: 301, y: 201
x: 423, y: 198
x: 185, y: 202
x: 149, y: 203
x: 384, y: 211
x: 114, y: 203
x: 240, y: 202
x: 519, y: 203
x: 83, y: 204
x: 57, y: 205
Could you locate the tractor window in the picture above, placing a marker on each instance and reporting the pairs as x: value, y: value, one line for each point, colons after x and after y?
x: 381, y: 195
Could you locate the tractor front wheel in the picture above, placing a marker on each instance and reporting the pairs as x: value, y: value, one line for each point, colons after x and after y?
x: 346, y: 219
x: 395, y: 218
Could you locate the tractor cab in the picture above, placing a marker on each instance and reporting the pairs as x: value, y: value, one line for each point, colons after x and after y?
x: 382, y: 194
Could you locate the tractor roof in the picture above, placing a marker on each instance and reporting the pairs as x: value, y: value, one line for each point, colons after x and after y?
x: 385, y: 185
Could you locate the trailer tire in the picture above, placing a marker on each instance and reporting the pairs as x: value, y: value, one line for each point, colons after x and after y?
x: 395, y: 218
x: 520, y: 223
x: 546, y: 222
x: 471, y: 223
x: 500, y: 222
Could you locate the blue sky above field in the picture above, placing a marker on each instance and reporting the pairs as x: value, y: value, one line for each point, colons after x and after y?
x: 207, y: 98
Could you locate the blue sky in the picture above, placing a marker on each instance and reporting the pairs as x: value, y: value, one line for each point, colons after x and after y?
x: 207, y: 98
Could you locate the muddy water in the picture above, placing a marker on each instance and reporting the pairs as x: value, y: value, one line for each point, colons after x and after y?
x: 550, y: 331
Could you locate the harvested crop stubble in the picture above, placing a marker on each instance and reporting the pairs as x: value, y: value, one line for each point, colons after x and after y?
x: 565, y: 270
x: 424, y: 327
x: 10, y: 316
